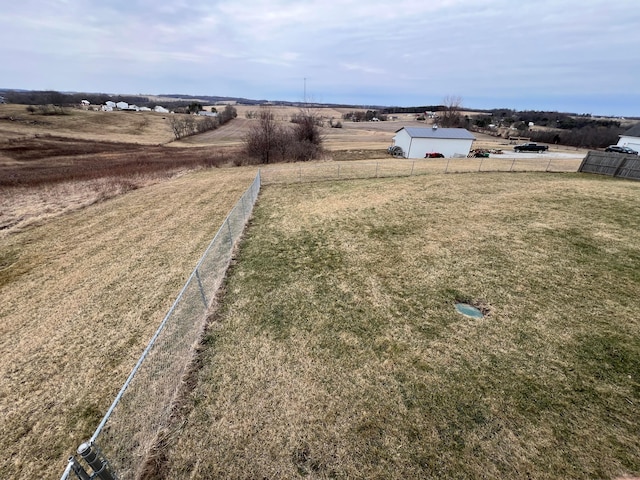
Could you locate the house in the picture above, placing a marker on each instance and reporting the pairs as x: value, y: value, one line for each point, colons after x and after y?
x: 122, y: 105
x: 631, y: 138
x: 418, y: 141
x: 111, y: 104
x: 160, y: 109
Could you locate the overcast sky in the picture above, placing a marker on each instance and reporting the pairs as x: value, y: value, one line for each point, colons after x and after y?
x: 579, y: 56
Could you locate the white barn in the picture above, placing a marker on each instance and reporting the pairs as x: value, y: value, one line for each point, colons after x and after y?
x: 418, y: 141
x: 631, y: 138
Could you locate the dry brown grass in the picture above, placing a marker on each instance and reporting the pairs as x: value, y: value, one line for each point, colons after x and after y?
x: 86, y: 277
x: 337, y: 352
x: 81, y: 296
x: 130, y: 127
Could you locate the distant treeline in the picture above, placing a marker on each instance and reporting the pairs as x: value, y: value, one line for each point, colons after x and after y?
x: 51, y: 97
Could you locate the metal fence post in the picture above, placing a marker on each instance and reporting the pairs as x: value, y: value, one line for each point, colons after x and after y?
x: 204, y: 297
x: 511, y: 169
x: 94, y: 458
x: 447, y: 167
x: 230, y: 233
x: 480, y: 166
x: 412, y: 167
x: 548, y: 165
x: 78, y: 469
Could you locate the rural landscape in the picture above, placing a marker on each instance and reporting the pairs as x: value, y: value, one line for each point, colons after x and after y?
x: 334, y: 348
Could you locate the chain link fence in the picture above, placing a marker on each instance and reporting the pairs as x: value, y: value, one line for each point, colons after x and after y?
x: 137, y: 420
x: 136, y: 423
x: 402, y: 168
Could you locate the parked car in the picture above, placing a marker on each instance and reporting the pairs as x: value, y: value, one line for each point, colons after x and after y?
x: 618, y: 149
x: 531, y: 147
x: 433, y: 155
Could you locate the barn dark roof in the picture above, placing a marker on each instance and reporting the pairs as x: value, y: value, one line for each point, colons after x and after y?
x: 633, y: 131
x: 450, y: 133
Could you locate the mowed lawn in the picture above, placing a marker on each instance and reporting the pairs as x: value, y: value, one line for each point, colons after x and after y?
x: 337, y: 352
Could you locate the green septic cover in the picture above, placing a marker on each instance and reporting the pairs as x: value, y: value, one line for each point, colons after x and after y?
x: 468, y: 310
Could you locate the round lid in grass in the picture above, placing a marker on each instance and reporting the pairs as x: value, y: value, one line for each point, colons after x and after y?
x: 468, y: 310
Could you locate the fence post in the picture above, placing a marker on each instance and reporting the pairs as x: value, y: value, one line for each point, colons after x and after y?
x: 93, y: 456
x: 511, y: 169
x: 412, y: 167
x: 548, y: 165
x: 230, y: 233
x: 244, y: 209
x: 204, y: 297
x: 78, y: 469
x: 446, y: 169
x: 480, y: 166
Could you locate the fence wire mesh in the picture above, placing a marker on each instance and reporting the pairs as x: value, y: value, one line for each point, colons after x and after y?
x: 143, y: 406
x: 402, y: 168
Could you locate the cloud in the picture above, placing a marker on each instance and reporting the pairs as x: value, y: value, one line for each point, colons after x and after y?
x: 412, y: 50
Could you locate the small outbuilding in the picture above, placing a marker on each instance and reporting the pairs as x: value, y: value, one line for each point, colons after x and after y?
x: 631, y: 138
x: 416, y: 142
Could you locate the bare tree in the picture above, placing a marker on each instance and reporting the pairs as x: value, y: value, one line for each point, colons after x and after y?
x: 450, y: 115
x: 261, y: 140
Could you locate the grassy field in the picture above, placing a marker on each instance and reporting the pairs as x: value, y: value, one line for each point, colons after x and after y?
x: 80, y: 296
x: 337, y: 352
x: 102, y: 220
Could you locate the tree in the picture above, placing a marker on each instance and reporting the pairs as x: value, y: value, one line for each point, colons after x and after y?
x: 449, y: 114
x: 261, y: 140
x: 194, y: 107
x: 270, y: 141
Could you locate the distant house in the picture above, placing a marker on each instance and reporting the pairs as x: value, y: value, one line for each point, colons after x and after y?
x: 160, y: 109
x: 631, y: 138
x: 202, y: 113
x: 111, y: 104
x: 106, y: 108
x: 85, y: 103
x: 144, y: 109
x: 418, y: 141
x: 122, y: 105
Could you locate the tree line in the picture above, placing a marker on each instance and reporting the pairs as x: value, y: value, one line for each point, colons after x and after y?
x: 185, y: 125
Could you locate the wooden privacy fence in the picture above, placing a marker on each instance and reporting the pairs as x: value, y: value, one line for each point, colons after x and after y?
x: 612, y: 164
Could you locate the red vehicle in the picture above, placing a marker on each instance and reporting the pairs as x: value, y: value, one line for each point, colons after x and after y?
x: 434, y: 155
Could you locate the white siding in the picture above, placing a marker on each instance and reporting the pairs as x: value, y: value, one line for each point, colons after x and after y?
x: 631, y: 142
x: 418, y: 147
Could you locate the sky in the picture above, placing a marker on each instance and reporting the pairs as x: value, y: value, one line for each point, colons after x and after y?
x: 580, y: 56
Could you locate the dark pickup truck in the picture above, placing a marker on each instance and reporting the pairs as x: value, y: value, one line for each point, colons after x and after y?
x: 531, y: 147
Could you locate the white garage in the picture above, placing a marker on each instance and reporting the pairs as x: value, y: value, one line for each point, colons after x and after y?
x: 418, y: 141
x: 631, y: 138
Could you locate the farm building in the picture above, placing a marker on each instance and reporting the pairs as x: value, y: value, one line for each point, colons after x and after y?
x: 122, y: 105
x: 631, y: 138
x: 418, y: 141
